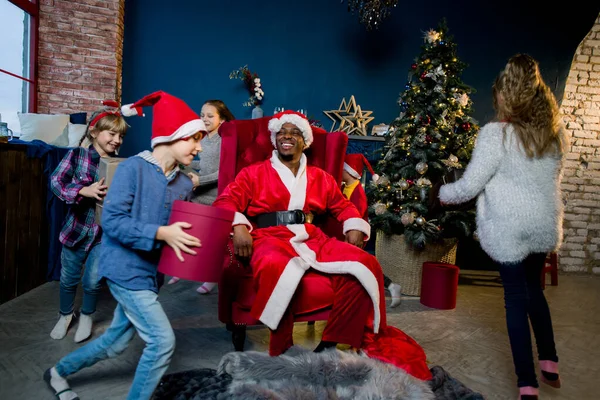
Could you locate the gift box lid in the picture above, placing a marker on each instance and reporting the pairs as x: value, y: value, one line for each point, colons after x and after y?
x: 202, y: 210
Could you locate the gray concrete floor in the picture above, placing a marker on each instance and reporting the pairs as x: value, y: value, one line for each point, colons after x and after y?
x: 470, y: 342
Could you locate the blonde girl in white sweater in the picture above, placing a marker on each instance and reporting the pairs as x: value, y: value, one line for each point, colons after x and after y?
x: 515, y: 174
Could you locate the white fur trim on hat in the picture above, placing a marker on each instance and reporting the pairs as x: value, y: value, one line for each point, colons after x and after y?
x: 275, y: 125
x: 128, y: 111
x: 351, y: 171
x: 186, y: 130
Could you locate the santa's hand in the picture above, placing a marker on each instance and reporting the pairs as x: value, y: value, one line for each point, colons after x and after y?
x: 356, y: 238
x: 242, y: 241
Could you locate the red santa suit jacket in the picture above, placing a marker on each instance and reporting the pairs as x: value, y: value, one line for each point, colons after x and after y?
x: 282, y: 254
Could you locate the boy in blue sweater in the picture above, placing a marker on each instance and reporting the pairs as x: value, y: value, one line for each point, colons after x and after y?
x: 134, y: 219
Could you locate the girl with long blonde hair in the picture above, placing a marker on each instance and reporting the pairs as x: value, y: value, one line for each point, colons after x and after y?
x: 515, y: 173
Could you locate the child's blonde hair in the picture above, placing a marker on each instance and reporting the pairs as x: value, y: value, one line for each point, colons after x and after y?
x: 522, y: 98
x: 112, y: 121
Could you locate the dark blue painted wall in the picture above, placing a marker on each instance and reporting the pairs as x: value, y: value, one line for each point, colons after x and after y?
x: 312, y: 53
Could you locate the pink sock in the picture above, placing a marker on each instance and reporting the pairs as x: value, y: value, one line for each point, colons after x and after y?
x: 529, y: 390
x: 549, y: 366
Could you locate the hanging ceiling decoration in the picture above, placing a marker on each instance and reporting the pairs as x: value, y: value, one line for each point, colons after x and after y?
x: 371, y: 12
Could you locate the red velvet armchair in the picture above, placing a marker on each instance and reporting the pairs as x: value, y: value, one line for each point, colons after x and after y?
x: 244, y: 142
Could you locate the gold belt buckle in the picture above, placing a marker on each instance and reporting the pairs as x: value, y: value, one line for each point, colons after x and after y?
x: 309, y: 218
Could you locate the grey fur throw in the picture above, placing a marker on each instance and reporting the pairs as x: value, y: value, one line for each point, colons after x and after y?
x: 300, y: 374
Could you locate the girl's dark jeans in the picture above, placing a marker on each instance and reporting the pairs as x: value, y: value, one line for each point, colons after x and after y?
x: 525, y: 302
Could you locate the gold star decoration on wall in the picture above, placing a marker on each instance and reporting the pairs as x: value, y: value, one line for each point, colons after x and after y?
x: 337, y: 116
x: 350, y: 117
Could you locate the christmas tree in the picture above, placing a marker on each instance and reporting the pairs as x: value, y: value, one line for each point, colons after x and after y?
x: 429, y: 143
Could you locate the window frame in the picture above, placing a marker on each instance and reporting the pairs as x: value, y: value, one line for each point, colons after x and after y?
x: 31, y: 7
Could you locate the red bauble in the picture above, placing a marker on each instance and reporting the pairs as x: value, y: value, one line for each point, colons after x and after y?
x: 414, y: 66
x: 423, y: 75
x: 466, y: 126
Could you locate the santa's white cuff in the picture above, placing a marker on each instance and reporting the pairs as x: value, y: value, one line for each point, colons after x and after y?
x: 240, y: 219
x: 357, y: 224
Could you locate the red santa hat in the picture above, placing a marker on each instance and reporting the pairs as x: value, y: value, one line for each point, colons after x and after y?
x: 292, y: 117
x: 354, y: 164
x: 172, y: 118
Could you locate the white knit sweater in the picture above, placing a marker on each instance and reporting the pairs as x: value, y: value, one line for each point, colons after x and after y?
x: 519, y: 205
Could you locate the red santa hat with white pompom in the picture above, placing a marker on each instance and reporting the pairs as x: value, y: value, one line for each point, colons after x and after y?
x: 292, y: 117
x: 354, y: 165
x: 172, y: 118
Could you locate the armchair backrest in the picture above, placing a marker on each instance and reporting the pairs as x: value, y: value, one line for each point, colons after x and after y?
x: 245, y: 142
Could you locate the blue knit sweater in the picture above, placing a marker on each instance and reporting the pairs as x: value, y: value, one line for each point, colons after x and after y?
x: 138, y: 201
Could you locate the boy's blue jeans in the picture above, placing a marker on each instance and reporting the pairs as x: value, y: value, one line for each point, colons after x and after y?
x: 525, y: 302
x: 137, y: 310
x: 72, y: 260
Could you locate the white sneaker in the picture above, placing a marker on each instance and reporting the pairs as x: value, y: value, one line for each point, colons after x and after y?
x: 84, y: 329
x: 61, y: 327
x: 396, y: 292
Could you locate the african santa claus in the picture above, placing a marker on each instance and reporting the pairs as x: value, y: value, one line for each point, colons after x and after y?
x: 275, y: 202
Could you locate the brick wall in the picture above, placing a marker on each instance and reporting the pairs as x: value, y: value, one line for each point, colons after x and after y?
x: 80, y: 54
x: 581, y: 182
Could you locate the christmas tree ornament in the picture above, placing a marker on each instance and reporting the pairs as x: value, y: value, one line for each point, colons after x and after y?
x: 419, y: 220
x: 423, y: 182
x: 383, y: 180
x: 452, y: 162
x: 432, y: 36
x: 407, y: 219
x: 404, y: 184
x: 379, y: 208
x: 423, y: 192
x: 422, y: 167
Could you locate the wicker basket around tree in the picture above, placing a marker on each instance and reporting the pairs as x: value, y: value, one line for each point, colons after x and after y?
x: 403, y: 264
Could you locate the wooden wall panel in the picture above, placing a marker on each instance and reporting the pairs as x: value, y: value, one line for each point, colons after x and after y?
x: 23, y: 222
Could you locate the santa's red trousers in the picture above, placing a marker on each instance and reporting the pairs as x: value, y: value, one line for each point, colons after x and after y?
x: 346, y: 322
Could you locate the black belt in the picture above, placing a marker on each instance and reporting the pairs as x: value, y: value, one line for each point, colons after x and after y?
x: 283, y: 218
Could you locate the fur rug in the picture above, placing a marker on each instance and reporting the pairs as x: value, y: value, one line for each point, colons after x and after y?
x: 332, y: 374
x: 300, y: 374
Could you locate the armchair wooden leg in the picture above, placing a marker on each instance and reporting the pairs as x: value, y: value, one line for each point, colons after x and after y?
x: 310, y: 323
x: 238, y: 335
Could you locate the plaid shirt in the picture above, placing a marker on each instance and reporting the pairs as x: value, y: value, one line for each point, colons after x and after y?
x: 77, y: 170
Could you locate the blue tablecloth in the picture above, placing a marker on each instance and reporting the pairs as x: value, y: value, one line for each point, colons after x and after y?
x: 56, y: 210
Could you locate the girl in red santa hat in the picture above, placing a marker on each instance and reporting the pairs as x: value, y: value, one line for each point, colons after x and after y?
x: 75, y: 181
x: 135, y: 217
x: 353, y: 191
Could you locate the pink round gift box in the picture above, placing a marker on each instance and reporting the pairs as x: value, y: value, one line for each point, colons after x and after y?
x: 212, y: 226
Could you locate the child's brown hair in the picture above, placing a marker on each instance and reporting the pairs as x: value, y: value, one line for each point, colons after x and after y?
x: 112, y: 121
